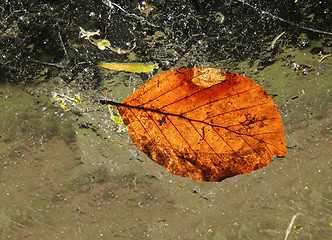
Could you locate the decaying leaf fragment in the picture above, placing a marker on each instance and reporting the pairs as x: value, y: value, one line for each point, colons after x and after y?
x: 204, y: 123
x: 130, y: 67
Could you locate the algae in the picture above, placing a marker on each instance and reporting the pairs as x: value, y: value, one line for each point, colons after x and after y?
x: 32, y: 112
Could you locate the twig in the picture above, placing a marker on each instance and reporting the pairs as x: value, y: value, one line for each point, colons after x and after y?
x: 290, y: 225
x: 323, y: 56
x: 63, y: 45
x: 50, y: 64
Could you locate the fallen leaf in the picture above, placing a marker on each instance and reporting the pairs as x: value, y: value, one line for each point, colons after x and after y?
x: 204, y: 123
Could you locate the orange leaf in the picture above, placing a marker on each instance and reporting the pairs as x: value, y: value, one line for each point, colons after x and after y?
x: 204, y: 123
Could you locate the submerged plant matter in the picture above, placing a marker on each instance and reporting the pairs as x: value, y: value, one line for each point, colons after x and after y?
x: 115, y: 117
x: 63, y: 99
x: 204, y: 123
x: 88, y: 34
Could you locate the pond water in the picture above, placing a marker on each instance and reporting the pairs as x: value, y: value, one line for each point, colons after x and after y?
x: 64, y: 175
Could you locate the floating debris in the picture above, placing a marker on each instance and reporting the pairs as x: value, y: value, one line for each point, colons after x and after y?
x: 323, y: 56
x: 276, y: 39
x: 102, y: 44
x: 219, y: 17
x: 87, y: 34
x: 301, y: 69
x: 290, y: 225
x: 121, y: 51
x: 297, y: 228
x: 112, y: 5
x: 115, y: 116
x: 130, y: 67
x: 146, y: 8
x: 63, y: 99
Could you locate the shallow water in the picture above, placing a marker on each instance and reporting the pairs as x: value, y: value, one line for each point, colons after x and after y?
x: 62, y: 181
x: 62, y: 178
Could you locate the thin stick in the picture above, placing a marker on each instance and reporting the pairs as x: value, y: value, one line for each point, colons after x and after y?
x: 323, y: 56
x: 284, y: 20
x: 50, y: 64
x: 63, y: 46
x: 290, y: 225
